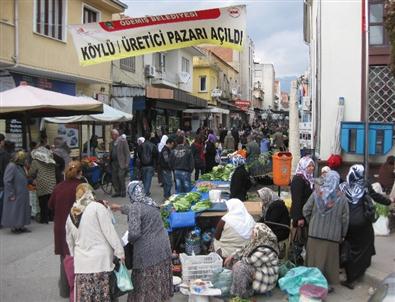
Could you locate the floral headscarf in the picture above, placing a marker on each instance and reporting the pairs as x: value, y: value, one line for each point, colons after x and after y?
x: 43, y: 154
x: 136, y: 194
x: 238, y: 160
x: 301, y: 169
x: 84, y: 196
x: 262, y: 236
x: 325, y: 194
x: 354, y: 186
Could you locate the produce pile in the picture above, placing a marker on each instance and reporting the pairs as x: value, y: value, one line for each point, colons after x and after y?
x: 205, y: 186
x: 183, y: 203
x: 219, y: 173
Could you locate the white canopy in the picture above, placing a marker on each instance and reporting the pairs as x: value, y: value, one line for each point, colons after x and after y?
x: 109, y: 115
x: 207, y: 110
x: 35, y: 102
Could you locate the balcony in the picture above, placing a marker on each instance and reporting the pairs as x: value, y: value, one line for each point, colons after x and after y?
x: 166, y: 79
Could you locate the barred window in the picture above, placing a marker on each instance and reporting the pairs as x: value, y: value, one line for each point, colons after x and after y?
x: 128, y: 64
x: 50, y: 18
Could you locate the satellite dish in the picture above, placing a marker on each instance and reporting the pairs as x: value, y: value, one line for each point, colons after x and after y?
x: 184, y: 77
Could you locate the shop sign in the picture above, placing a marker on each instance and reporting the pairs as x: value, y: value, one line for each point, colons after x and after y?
x: 243, y: 104
x: 112, y: 40
x: 216, y: 93
x: 14, y: 132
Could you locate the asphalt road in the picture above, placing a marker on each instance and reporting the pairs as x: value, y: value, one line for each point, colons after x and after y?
x: 29, y: 269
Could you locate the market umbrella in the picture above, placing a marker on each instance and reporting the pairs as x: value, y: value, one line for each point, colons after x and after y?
x: 28, y: 101
x: 109, y: 115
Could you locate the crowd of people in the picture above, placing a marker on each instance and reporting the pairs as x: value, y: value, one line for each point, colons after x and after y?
x: 328, y: 210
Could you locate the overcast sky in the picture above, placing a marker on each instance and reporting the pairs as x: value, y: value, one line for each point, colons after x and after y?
x: 275, y: 26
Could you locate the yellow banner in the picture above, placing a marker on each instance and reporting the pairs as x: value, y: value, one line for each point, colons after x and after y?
x: 112, y: 40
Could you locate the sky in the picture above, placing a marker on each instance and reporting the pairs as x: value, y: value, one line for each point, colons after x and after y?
x: 275, y: 26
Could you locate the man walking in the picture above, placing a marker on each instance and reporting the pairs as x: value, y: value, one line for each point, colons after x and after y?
x: 148, y: 155
x: 181, y: 160
x: 119, y: 158
x: 167, y: 175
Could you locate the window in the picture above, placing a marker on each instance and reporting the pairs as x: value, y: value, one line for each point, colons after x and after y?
x: 185, y: 65
x: 203, y: 83
x: 377, y: 34
x: 160, y: 62
x: 90, y: 15
x: 128, y: 64
x: 50, y: 18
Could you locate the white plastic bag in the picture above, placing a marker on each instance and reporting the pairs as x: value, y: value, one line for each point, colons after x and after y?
x: 381, y: 226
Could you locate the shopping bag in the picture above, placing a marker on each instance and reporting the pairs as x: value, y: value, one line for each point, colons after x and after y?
x: 124, y: 282
x: 297, y: 243
x: 115, y: 291
x: 381, y: 226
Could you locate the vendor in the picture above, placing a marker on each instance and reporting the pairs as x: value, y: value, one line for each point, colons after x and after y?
x: 240, y: 182
x: 256, y: 268
x: 275, y: 214
x: 234, y: 229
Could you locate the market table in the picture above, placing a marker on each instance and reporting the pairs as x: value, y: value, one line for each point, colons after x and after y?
x: 253, y: 207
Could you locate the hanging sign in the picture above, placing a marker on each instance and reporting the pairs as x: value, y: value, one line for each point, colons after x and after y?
x: 111, y: 40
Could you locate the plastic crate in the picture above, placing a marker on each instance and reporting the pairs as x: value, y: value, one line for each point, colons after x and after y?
x: 199, y: 267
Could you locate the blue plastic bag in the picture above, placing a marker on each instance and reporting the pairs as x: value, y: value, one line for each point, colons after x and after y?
x: 298, y: 276
x: 179, y: 220
x: 124, y: 282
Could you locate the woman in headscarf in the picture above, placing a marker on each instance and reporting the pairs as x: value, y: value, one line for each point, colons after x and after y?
x: 240, y: 181
x: 152, y: 271
x: 326, y: 212
x: 61, y: 155
x: 43, y: 171
x: 301, y: 189
x: 360, y: 235
x: 93, y: 242
x: 16, y: 206
x: 210, y: 152
x: 61, y: 201
x: 234, y: 229
x: 275, y: 214
x: 256, y: 269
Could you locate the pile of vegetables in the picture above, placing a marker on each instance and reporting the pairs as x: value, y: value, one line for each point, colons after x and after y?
x: 205, y: 186
x: 201, y: 205
x: 219, y: 173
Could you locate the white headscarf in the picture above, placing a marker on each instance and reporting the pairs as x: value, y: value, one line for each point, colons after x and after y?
x: 162, y: 143
x: 238, y: 218
x: 141, y: 140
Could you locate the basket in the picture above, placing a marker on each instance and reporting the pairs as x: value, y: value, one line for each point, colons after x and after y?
x: 199, y: 267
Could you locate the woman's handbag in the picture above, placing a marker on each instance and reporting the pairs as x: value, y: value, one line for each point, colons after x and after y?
x: 345, y: 252
x: 369, y: 210
x: 298, y: 241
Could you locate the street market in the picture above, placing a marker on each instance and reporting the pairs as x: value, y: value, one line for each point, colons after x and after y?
x: 167, y: 151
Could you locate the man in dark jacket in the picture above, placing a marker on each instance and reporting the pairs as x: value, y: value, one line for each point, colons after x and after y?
x: 167, y: 175
x: 181, y: 161
x: 148, y: 155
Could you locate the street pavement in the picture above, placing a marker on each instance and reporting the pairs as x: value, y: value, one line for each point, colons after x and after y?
x: 29, y: 270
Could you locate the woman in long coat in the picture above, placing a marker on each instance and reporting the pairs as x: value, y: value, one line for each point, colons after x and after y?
x: 210, y: 153
x: 360, y: 234
x: 16, y: 207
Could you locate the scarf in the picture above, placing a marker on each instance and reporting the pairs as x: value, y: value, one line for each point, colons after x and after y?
x: 162, y: 143
x: 140, y: 140
x: 212, y: 138
x: 301, y: 169
x: 262, y: 236
x: 19, y: 158
x: 268, y: 196
x: 84, y: 196
x: 354, y: 186
x: 136, y: 194
x: 239, y: 218
x: 325, y: 194
x: 42, y: 154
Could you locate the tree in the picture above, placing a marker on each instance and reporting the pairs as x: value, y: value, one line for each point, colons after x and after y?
x: 389, y: 23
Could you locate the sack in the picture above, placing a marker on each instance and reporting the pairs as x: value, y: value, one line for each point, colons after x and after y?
x: 345, y: 253
x: 146, y: 154
x: 128, y: 248
x: 115, y: 290
x: 298, y: 241
x: 369, y: 209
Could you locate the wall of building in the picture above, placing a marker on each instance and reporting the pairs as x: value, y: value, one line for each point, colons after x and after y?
x: 211, y: 83
x: 268, y: 85
x: 247, y: 70
x: 127, y: 77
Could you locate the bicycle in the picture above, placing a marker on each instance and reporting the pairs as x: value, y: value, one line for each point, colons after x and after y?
x: 99, y: 175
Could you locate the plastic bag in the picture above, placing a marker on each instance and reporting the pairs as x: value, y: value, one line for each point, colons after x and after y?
x: 285, y: 267
x: 299, y: 276
x: 222, y: 279
x: 381, y: 226
x: 124, y: 282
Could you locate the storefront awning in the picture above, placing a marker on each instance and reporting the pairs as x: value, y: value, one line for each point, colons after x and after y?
x: 207, y: 110
x: 176, y: 95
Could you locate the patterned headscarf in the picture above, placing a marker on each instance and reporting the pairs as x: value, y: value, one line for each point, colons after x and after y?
x: 44, y: 155
x: 136, y: 194
x: 325, y: 194
x: 354, y: 186
x: 267, y: 196
x: 84, y: 196
x: 238, y: 160
x: 262, y: 236
x: 301, y: 169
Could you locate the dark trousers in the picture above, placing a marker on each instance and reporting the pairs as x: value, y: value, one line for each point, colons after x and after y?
x: 147, y: 174
x: 64, y: 290
x: 198, y: 171
x: 45, y: 212
x: 167, y: 180
x: 118, y: 178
